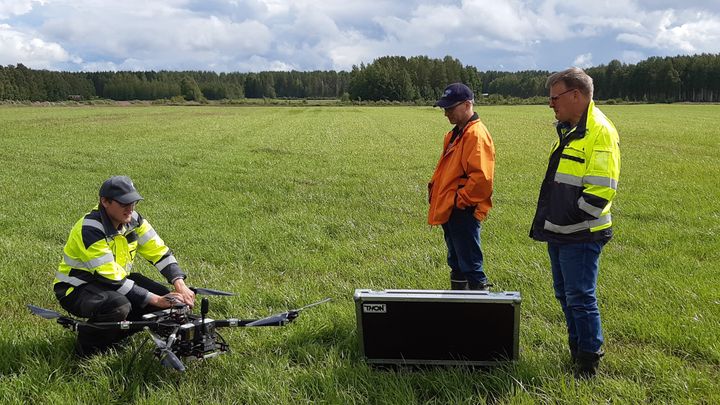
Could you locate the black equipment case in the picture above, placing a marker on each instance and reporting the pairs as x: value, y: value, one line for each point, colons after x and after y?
x: 438, y: 326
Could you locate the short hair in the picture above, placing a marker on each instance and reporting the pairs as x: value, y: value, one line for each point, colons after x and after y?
x: 575, y: 78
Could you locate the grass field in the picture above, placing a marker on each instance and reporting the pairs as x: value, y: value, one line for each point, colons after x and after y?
x: 286, y: 206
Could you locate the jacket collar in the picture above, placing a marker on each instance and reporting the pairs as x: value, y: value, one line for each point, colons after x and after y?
x: 457, y: 131
x: 107, y: 223
x: 565, y: 130
x: 110, y: 231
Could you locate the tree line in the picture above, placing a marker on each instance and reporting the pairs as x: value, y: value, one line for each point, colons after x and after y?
x: 418, y: 79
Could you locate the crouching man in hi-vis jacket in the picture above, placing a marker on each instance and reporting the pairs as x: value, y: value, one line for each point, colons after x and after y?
x: 94, y: 280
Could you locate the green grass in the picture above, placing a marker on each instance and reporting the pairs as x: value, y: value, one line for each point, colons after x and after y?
x: 286, y: 206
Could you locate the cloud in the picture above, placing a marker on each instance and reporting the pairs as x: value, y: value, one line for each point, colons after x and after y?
x: 18, y: 47
x: 685, y: 32
x: 631, y: 57
x: 9, y: 8
x: 583, y: 61
x: 161, y: 35
x: 259, y: 64
x: 231, y: 35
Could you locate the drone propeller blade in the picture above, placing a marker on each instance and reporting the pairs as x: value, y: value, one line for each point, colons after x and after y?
x: 167, y: 357
x: 170, y: 360
x: 44, y: 313
x: 313, y: 304
x: 158, y: 342
x: 209, y: 291
x: 285, y: 317
x: 273, y: 320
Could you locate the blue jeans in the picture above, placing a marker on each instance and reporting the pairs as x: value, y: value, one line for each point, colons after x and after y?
x: 575, y: 272
x: 462, y: 236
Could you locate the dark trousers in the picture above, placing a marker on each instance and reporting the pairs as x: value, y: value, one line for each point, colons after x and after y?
x: 98, y: 303
x: 462, y: 236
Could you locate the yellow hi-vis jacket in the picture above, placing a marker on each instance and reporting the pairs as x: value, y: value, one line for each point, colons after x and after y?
x: 98, y: 253
x: 580, y: 183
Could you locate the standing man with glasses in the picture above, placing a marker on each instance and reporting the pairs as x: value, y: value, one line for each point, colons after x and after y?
x: 460, y: 189
x: 573, y: 209
x: 94, y: 279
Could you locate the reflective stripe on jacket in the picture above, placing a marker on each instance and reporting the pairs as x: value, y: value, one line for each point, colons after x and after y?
x: 580, y: 182
x: 97, y: 253
x: 464, y: 174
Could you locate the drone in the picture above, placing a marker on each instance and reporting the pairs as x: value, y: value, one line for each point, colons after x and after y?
x: 176, y: 331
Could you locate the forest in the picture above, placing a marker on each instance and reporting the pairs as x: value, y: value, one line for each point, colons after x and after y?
x: 417, y: 79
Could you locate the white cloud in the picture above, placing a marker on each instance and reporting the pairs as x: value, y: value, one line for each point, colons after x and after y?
x: 160, y: 36
x: 274, y: 7
x: 9, y: 8
x: 509, y: 20
x: 18, y: 47
x: 101, y: 67
x: 258, y: 63
x: 583, y: 61
x: 335, y: 34
x: 688, y: 32
x: 431, y: 25
x: 344, y: 56
x: 631, y: 57
x: 701, y: 35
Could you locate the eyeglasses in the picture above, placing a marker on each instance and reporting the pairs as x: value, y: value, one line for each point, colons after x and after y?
x: 555, y: 98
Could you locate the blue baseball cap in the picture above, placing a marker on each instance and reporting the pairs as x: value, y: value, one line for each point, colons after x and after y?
x: 120, y: 189
x: 454, y: 94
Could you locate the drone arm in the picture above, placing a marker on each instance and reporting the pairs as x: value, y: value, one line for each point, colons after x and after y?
x: 122, y: 325
x: 233, y: 323
x: 67, y: 322
x: 74, y: 324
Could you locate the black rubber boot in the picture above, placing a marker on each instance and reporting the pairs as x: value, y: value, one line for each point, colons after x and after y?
x: 458, y: 281
x: 587, y: 364
x: 480, y: 286
x: 573, y: 351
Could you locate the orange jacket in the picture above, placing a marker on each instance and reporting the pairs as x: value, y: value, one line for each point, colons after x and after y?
x: 464, y: 175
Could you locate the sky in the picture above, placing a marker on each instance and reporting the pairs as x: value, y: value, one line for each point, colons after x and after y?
x: 306, y: 35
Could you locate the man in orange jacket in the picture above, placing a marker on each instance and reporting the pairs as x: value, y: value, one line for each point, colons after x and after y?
x: 460, y: 189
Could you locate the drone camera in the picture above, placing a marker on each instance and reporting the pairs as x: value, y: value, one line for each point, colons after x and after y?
x: 198, y: 338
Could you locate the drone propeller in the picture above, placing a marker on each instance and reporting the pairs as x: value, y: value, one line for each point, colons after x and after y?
x: 312, y: 305
x: 170, y: 360
x: 284, y: 317
x: 209, y: 291
x: 44, y: 313
x: 167, y: 357
x: 273, y: 320
x: 158, y: 342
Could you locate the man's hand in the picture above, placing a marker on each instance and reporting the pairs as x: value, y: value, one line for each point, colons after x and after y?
x: 188, y: 297
x: 165, y: 301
